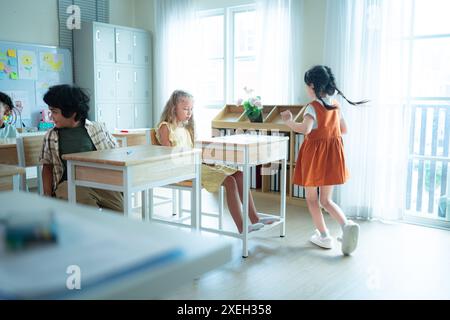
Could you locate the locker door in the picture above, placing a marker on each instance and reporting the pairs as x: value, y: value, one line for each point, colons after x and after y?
x: 142, y: 118
x: 125, y: 116
x: 124, y: 83
x: 104, y: 43
x: 141, y: 44
x: 104, y: 82
x: 124, y: 46
x: 142, y: 84
x: 106, y: 113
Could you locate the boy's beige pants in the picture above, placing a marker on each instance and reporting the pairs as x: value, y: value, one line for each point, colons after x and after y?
x: 107, y: 199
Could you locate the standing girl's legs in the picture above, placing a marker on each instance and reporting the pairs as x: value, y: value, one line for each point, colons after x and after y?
x: 326, y: 194
x: 313, y: 205
x: 350, y: 230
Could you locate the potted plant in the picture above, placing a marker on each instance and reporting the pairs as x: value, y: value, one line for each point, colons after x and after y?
x: 252, y: 106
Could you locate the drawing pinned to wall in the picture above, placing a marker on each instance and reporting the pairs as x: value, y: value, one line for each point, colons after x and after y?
x: 21, y: 103
x: 41, y: 89
x: 51, y: 62
x: 27, y: 65
x: 8, y: 64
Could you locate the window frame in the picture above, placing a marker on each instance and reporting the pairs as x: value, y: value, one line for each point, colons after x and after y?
x: 228, y: 45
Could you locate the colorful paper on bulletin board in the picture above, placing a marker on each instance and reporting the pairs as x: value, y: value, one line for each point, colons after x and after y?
x: 21, y: 103
x: 41, y: 88
x: 11, y: 53
x: 8, y: 66
x: 27, y: 65
x: 49, y: 61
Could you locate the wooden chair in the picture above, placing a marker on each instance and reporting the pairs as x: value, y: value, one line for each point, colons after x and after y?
x: 28, y: 151
x: 177, y: 195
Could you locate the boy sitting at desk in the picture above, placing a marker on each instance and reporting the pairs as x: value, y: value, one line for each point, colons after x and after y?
x: 7, y: 130
x: 73, y: 133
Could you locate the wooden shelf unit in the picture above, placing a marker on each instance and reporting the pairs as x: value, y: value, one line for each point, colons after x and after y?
x: 232, y: 118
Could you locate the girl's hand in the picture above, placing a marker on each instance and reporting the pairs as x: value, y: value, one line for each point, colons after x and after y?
x: 286, y: 115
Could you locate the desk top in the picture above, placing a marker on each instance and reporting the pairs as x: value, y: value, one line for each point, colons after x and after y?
x: 131, y: 132
x: 132, y: 155
x: 244, y: 139
x: 118, y: 257
x: 7, y: 171
x: 7, y: 143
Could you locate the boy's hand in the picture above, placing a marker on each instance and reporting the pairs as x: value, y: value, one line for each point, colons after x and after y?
x: 286, y: 115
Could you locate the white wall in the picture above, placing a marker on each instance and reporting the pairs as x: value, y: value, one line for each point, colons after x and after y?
x: 122, y: 12
x: 29, y: 21
x: 144, y: 15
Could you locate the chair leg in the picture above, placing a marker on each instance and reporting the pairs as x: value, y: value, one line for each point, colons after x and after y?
x: 221, y: 199
x: 180, y: 203
x: 39, y: 180
x: 23, y: 182
x: 174, y: 202
x: 150, y: 205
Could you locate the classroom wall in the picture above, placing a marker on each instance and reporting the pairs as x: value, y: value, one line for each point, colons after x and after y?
x: 19, y: 19
x: 122, y: 12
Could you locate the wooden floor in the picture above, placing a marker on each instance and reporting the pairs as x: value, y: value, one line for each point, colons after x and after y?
x: 393, y: 261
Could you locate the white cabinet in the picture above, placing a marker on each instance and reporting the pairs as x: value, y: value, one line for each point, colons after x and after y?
x: 104, y: 43
x: 114, y: 64
x: 141, y: 112
x: 124, y: 46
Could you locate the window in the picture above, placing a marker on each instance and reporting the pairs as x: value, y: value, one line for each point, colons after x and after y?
x: 428, y: 176
x: 228, y: 53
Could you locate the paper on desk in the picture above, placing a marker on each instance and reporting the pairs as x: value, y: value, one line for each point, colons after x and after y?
x: 103, y: 254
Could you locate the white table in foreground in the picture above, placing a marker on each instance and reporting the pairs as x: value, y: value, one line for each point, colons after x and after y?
x: 135, y: 169
x: 248, y: 150
x: 118, y: 258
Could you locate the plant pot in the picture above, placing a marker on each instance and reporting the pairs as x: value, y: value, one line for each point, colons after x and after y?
x: 255, y: 117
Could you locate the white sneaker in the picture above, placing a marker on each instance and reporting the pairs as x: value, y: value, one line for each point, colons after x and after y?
x: 254, y: 227
x: 323, y: 242
x: 350, y: 236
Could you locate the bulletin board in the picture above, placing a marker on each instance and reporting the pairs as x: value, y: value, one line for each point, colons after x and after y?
x: 26, y: 73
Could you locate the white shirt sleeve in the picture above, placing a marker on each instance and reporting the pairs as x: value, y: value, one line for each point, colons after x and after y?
x: 310, y: 110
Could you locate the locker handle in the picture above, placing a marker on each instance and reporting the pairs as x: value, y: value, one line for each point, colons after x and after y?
x: 97, y: 35
x: 118, y: 112
x: 100, y: 113
x: 99, y: 76
x: 134, y: 40
x: 117, y: 37
x: 135, y: 76
x: 118, y: 75
x: 135, y: 113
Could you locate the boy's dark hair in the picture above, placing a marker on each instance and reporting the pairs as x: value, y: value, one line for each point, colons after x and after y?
x: 4, y: 98
x: 70, y: 99
x: 322, y: 78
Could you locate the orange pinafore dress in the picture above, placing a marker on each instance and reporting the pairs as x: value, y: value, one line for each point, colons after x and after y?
x: 321, y: 161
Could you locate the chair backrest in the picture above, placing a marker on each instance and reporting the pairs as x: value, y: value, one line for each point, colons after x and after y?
x: 28, y: 150
x: 153, y: 137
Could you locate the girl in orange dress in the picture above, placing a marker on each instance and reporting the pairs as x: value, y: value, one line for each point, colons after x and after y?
x: 321, y: 162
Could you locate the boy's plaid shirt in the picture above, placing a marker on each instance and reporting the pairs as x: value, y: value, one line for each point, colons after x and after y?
x: 99, y: 135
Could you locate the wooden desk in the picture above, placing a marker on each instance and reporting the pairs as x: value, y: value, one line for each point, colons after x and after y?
x: 134, y: 137
x: 8, y: 151
x: 132, y: 260
x: 246, y: 151
x: 135, y: 169
x: 10, y: 177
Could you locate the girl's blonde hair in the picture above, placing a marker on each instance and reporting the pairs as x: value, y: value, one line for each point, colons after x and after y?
x: 169, y: 113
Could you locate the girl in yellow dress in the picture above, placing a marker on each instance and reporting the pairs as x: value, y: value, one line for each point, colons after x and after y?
x: 176, y: 128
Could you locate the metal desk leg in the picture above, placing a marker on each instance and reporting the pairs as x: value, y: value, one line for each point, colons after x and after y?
x: 245, y: 211
x: 283, y: 198
x: 71, y: 187
x: 195, y: 195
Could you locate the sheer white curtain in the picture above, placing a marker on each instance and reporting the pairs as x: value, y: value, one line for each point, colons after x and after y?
x: 364, y: 47
x: 175, y: 49
x: 279, y: 50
